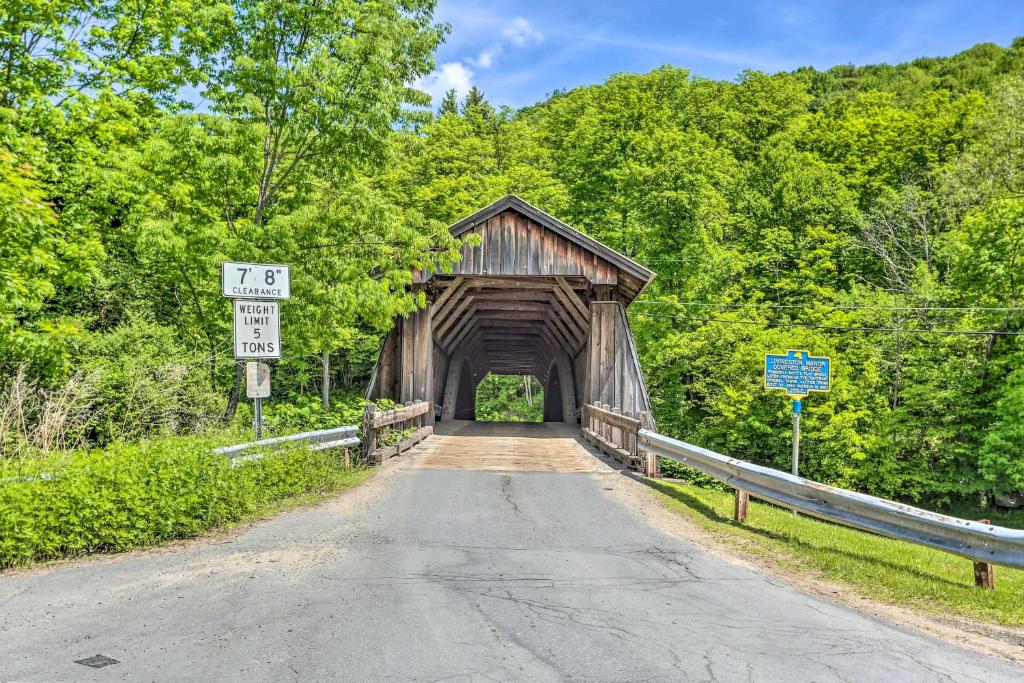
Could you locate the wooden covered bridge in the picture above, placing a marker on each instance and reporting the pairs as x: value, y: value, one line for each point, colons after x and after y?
x: 532, y: 297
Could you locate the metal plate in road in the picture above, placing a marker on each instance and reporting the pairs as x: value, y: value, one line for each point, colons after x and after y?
x: 257, y: 329
x: 255, y: 280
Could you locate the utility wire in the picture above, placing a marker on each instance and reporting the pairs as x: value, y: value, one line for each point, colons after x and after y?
x: 838, y: 307
x: 834, y: 328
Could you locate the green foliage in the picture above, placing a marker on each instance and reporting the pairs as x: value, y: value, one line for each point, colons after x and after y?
x: 509, y: 398
x: 128, y: 496
x: 304, y: 412
x: 1000, y: 462
x: 143, y: 383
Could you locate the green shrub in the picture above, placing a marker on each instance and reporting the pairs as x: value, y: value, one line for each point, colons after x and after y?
x: 125, y: 496
x: 145, y: 383
x: 304, y: 412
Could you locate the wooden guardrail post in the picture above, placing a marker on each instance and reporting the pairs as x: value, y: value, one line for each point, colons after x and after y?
x: 602, y: 426
x: 369, y: 433
x: 742, y: 504
x: 629, y: 438
x: 985, y: 572
x: 617, y: 433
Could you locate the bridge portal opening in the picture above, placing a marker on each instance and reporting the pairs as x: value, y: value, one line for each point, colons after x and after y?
x: 509, y: 398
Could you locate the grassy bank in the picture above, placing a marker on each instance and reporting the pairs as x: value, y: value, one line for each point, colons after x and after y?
x: 889, y: 571
x: 134, y: 495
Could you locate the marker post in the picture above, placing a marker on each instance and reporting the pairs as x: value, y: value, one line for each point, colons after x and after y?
x: 258, y: 418
x: 797, y: 409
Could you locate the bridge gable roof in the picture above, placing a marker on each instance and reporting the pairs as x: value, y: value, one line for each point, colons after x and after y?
x: 567, y: 232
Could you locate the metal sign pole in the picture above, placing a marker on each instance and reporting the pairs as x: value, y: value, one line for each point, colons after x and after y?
x: 259, y: 418
x: 797, y: 407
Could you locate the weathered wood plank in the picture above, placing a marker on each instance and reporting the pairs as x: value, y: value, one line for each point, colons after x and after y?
x: 390, y: 417
x: 457, y: 316
x: 407, y: 362
x: 386, y: 452
x: 425, y: 351
x: 573, y: 297
x: 440, y: 306
x: 523, y: 243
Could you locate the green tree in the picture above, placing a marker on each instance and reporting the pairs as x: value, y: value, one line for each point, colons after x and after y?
x: 449, y: 104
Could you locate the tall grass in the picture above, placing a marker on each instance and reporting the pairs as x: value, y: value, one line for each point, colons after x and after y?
x: 35, y: 420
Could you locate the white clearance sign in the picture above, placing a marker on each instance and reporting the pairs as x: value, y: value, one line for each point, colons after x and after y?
x: 255, y: 281
x: 257, y: 329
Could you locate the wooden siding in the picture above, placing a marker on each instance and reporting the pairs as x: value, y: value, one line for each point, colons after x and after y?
x: 614, y: 377
x: 513, y: 245
x: 405, y: 368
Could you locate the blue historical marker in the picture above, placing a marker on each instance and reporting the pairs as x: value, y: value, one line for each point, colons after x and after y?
x: 798, y: 374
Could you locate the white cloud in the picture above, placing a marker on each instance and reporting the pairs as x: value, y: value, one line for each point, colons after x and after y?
x: 485, y: 60
x: 520, y: 32
x: 449, y: 75
x: 517, y: 32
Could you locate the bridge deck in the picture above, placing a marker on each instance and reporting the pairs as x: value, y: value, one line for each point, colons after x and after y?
x: 507, y: 446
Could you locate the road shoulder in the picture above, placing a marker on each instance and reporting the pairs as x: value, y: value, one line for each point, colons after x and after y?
x: 1003, y: 642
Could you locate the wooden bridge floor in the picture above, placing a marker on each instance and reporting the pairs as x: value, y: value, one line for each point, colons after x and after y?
x: 507, y: 446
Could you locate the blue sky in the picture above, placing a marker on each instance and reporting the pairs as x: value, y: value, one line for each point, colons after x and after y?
x: 519, y: 51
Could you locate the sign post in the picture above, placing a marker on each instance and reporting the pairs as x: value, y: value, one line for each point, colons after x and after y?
x: 256, y: 289
x: 798, y: 374
x: 257, y: 387
x: 797, y: 407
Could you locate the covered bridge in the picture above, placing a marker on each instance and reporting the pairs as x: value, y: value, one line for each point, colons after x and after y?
x: 533, y: 297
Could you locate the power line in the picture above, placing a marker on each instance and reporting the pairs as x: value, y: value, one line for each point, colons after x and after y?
x: 833, y: 328
x: 838, y: 307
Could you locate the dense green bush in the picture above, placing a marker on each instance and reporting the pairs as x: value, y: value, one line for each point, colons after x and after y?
x: 128, y: 496
x: 305, y: 412
x: 145, y: 382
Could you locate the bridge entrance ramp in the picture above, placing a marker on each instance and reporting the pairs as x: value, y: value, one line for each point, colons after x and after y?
x: 507, y: 447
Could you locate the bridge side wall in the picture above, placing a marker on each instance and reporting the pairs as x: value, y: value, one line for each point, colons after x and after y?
x: 612, y: 365
x: 405, y: 368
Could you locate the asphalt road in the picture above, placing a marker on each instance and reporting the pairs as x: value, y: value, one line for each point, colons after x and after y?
x: 437, y: 574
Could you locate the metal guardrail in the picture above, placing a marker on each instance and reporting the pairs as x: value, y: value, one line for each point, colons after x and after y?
x: 323, y: 439
x: 974, y: 540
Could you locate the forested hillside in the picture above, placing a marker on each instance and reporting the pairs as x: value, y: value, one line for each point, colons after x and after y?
x: 874, y: 214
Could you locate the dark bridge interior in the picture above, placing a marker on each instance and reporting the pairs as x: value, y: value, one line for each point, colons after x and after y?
x: 510, y: 326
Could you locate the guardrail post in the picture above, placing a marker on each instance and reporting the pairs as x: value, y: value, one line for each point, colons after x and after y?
x: 742, y: 503
x: 629, y: 439
x: 399, y: 426
x: 985, y: 572
x: 369, y: 433
x: 651, y: 468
